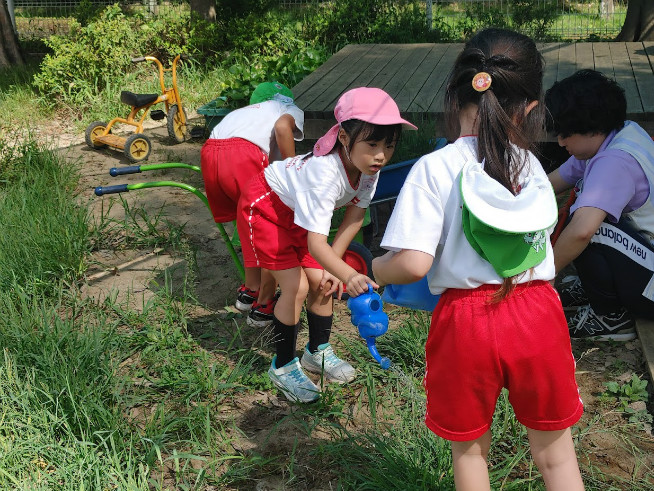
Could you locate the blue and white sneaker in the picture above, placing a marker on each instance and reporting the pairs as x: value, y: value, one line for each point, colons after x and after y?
x: 293, y: 382
x: 324, y: 361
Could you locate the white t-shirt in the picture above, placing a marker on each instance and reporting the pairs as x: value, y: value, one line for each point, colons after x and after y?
x: 427, y: 218
x: 256, y: 123
x: 315, y: 186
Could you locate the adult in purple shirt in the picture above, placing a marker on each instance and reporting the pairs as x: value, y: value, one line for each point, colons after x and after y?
x: 610, y: 233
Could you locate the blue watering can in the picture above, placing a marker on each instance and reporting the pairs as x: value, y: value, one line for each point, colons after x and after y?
x: 414, y: 295
x: 368, y: 316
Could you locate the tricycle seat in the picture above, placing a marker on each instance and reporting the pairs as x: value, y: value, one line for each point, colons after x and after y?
x: 137, y: 100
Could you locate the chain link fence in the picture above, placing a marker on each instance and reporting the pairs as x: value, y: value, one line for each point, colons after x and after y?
x: 36, y: 19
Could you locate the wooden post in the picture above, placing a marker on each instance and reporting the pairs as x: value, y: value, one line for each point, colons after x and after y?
x: 430, y: 17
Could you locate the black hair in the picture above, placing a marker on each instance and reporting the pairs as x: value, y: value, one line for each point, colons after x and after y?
x: 587, y: 102
x: 359, y: 130
x: 516, y: 69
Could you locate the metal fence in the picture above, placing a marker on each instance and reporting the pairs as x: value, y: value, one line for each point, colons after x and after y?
x: 573, y: 20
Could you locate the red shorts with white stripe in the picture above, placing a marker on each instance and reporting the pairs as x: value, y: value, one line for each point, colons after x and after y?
x: 227, y: 166
x: 269, y: 238
x: 475, y: 348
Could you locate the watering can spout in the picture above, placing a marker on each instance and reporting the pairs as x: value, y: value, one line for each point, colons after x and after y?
x: 368, y: 316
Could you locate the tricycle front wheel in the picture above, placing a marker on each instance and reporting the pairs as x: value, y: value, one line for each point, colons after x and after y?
x: 137, y: 147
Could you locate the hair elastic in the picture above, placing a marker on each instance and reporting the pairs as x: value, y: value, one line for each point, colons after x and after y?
x: 481, y: 82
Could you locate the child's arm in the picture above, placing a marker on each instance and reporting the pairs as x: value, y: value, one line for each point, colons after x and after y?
x: 284, y: 128
x: 405, y: 266
x: 330, y: 257
x: 558, y: 183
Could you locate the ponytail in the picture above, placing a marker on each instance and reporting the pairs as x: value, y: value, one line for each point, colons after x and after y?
x: 513, y: 74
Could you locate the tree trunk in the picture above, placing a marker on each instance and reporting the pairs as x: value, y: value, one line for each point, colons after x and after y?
x: 639, y: 22
x: 9, y: 48
x: 206, y: 9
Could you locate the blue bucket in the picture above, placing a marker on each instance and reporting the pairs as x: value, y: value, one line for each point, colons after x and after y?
x: 413, y: 295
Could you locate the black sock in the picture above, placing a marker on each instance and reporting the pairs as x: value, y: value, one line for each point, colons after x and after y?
x: 320, y: 328
x: 285, y: 341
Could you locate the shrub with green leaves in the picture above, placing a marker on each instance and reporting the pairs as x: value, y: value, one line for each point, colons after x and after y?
x: 370, y: 21
x: 91, y: 57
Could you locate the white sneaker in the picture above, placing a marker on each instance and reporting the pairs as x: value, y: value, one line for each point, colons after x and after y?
x: 325, y: 361
x: 293, y: 382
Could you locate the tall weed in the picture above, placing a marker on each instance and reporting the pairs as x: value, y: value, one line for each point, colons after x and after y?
x: 45, y: 232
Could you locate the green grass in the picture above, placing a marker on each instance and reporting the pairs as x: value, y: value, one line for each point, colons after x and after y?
x: 100, y: 395
x: 104, y: 395
x: 19, y: 102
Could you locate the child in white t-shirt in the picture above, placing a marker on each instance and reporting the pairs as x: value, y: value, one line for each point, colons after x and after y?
x: 474, y: 217
x: 288, y: 209
x: 240, y: 147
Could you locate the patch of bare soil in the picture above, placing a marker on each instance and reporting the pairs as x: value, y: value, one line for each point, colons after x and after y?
x: 605, y: 438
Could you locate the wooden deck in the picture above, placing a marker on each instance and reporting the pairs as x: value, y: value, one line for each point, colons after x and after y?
x: 415, y: 75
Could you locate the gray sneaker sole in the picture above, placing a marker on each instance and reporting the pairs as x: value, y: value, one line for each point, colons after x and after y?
x: 243, y: 307
x: 627, y: 336
x: 318, y: 370
x: 256, y: 323
x: 288, y: 394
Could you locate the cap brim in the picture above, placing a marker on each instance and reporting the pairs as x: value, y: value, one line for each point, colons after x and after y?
x: 534, y: 208
x: 326, y: 143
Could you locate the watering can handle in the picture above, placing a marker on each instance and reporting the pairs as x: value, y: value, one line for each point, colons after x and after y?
x: 119, y: 171
x: 102, y: 190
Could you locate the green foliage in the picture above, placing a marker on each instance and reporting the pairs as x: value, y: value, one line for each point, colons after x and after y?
x: 627, y: 393
x: 480, y: 15
x: 632, y: 391
x: 532, y: 17
x: 369, y: 21
x: 93, y: 56
x: 241, y: 8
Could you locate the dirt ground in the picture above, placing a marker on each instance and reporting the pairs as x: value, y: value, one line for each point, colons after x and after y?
x: 217, y: 281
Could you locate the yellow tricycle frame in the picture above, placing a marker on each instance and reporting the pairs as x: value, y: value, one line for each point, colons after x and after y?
x: 137, y: 146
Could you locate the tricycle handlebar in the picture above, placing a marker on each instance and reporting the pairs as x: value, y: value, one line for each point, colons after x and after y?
x: 132, y: 169
x: 118, y: 188
x: 138, y: 59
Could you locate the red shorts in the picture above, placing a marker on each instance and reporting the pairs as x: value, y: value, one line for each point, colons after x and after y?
x: 269, y: 238
x: 475, y: 348
x: 227, y: 165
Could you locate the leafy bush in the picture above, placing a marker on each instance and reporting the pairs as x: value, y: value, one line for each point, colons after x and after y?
x: 91, y: 57
x: 370, y: 21
x: 245, y: 73
x: 479, y: 15
x: 532, y: 17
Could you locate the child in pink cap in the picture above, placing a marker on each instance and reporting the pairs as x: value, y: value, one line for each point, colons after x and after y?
x: 288, y: 208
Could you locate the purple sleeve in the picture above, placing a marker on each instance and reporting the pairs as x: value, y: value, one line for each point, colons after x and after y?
x: 572, y: 170
x: 610, y: 184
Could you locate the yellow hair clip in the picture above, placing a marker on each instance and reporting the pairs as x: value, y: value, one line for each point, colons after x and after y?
x: 481, y: 82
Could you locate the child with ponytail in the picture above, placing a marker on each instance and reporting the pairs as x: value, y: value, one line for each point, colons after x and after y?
x: 474, y: 217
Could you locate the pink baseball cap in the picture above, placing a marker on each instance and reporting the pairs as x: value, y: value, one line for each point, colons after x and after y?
x: 367, y: 104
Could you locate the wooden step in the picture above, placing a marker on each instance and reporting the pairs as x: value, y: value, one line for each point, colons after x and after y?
x: 112, y: 140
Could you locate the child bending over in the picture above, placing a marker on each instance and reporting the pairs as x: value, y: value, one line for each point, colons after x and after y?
x: 288, y: 209
x: 240, y: 147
